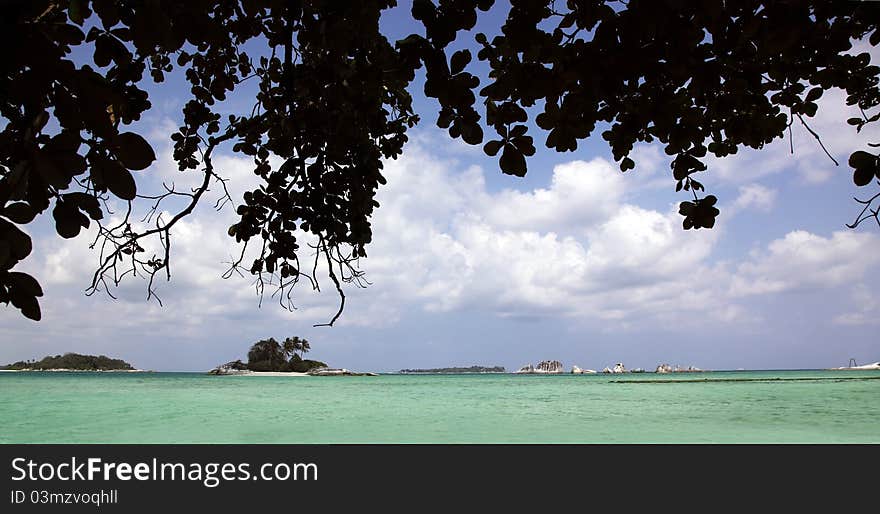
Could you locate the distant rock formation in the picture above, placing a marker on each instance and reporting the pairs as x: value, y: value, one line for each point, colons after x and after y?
x: 578, y: 371
x: 230, y: 368
x: 549, y: 367
x: 666, y: 368
x: 543, y: 367
x: 663, y: 368
x: 338, y: 372
x: 618, y: 368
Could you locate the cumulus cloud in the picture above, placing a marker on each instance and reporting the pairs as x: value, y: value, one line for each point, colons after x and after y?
x: 864, y: 311
x: 583, y: 193
x: 574, y: 248
x: 802, y: 260
x: 564, y: 250
x: 755, y: 196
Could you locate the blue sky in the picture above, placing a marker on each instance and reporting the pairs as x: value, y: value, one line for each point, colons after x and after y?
x: 575, y: 262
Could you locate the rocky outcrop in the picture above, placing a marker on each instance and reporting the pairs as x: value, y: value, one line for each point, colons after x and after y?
x: 666, y: 368
x: 543, y: 367
x: 549, y: 367
x: 230, y: 368
x: 578, y: 371
x: 618, y: 368
x: 338, y: 372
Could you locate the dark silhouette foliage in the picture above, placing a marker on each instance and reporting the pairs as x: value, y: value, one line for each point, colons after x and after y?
x: 270, y: 355
x: 266, y: 355
x: 305, y: 365
x: 698, y: 77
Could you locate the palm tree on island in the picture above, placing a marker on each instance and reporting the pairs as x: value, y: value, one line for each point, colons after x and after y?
x: 294, y: 344
x: 268, y: 355
x: 290, y: 346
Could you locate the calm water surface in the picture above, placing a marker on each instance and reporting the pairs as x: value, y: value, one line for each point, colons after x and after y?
x: 724, y: 407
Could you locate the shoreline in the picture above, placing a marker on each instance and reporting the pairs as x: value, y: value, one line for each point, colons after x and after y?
x: 65, y: 370
x: 262, y: 374
x: 248, y: 373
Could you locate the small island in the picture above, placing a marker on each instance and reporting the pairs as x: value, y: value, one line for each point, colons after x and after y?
x: 542, y: 368
x: 268, y: 357
x: 471, y: 369
x: 71, y: 362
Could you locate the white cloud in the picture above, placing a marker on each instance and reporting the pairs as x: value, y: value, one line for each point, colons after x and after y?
x: 563, y: 250
x: 574, y: 248
x: 865, y: 308
x: 755, y: 196
x: 581, y: 193
x: 803, y: 260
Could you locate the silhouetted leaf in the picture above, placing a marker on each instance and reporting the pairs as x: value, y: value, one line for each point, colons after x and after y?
x: 76, y: 11
x: 20, y: 244
x: 860, y: 159
x: 492, y: 147
x: 19, y: 212
x: 459, y: 60
x: 133, y: 151
x: 814, y: 94
x: 120, y: 183
x: 512, y: 161
x: 863, y: 176
x: 87, y: 203
x: 50, y: 172
x: 471, y: 133
x: 26, y: 283
x: 5, y: 255
x: 68, y: 220
x: 28, y: 305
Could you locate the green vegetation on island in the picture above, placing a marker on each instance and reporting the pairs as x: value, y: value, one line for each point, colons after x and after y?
x: 72, y: 361
x: 472, y: 369
x: 270, y: 355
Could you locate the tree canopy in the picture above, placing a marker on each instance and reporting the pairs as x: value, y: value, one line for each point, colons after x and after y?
x: 72, y: 361
x: 270, y: 355
x: 334, y: 100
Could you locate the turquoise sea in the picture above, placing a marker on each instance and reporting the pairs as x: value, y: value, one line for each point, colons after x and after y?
x: 717, y: 407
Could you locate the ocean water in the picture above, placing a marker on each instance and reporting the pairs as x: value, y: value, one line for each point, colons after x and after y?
x: 718, y: 407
